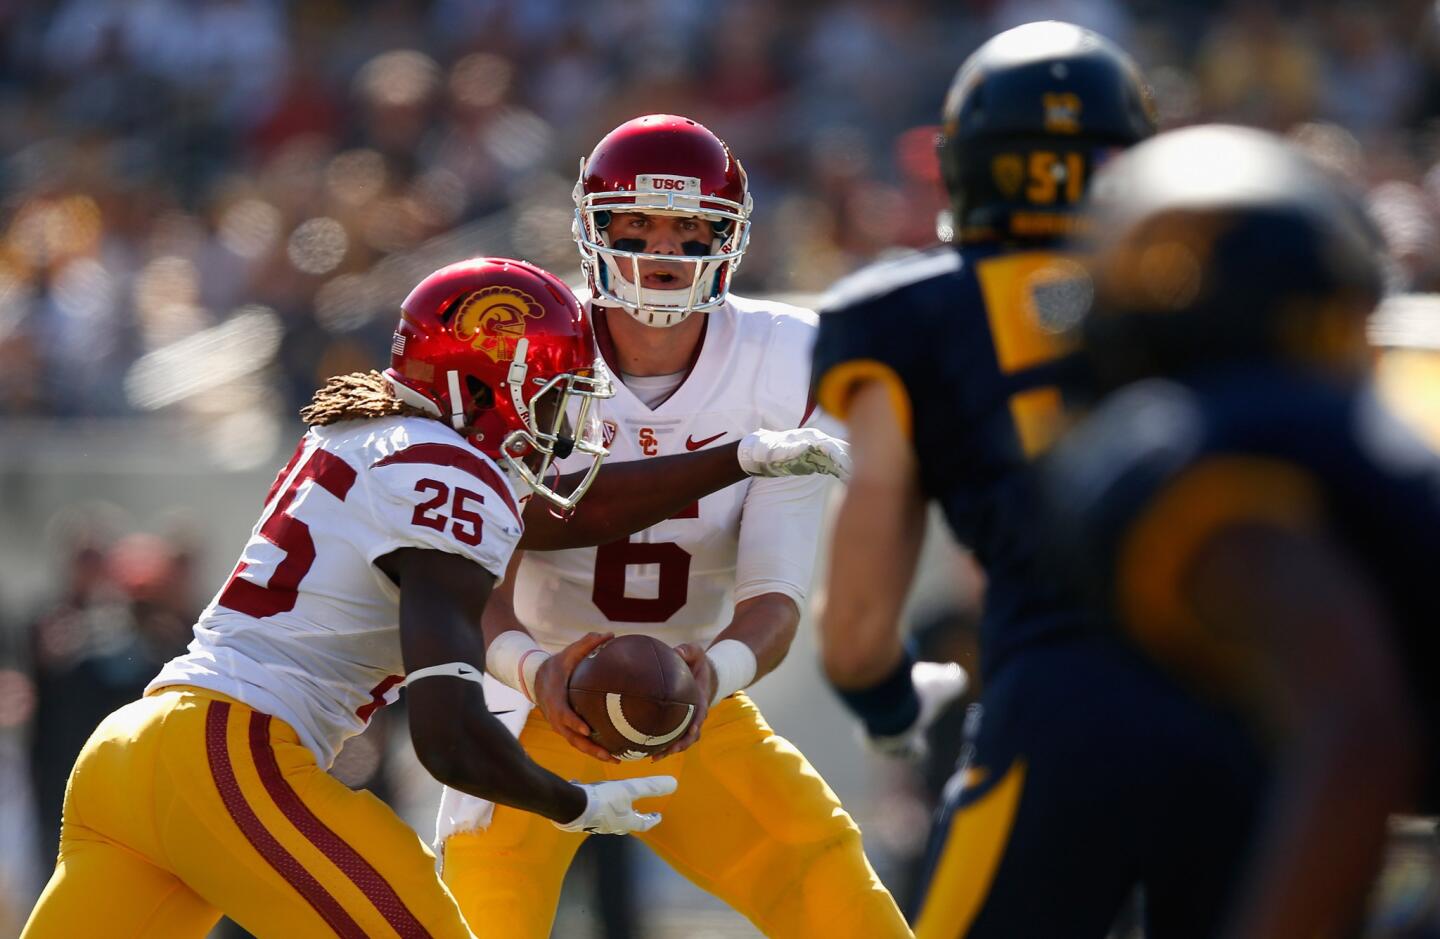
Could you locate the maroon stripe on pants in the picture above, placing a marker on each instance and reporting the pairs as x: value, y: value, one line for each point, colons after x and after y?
x: 340, y: 853
x: 216, y: 715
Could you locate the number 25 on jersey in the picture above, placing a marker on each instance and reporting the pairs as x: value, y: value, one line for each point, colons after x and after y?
x: 444, y: 507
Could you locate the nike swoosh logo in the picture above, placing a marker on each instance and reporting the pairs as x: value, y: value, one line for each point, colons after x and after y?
x: 692, y: 444
x: 498, y: 713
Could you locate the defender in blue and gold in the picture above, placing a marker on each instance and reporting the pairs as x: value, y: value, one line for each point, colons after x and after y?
x: 1086, y: 772
x: 1243, y: 504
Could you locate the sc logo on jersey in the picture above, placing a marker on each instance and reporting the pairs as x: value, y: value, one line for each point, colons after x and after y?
x: 493, y: 320
x: 648, y: 444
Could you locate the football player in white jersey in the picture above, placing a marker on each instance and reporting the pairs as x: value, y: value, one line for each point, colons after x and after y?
x: 662, y: 220
x: 375, y: 553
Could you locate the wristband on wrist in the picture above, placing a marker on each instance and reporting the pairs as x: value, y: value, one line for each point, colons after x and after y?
x: 890, y: 706
x: 734, y: 664
x: 449, y: 670
x: 514, y: 658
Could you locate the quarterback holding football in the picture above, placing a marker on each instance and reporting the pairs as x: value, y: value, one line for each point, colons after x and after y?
x: 662, y: 221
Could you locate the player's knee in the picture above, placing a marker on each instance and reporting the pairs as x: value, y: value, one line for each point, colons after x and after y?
x: 830, y: 883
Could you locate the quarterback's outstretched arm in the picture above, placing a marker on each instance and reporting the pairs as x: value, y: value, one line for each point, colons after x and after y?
x: 631, y: 496
x: 457, y: 739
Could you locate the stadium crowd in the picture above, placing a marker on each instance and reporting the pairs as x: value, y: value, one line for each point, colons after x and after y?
x: 169, y: 163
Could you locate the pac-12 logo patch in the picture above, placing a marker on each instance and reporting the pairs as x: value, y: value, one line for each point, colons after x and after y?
x: 493, y: 320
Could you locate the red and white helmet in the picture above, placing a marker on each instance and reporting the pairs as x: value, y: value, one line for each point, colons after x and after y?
x: 669, y: 165
x: 503, y: 351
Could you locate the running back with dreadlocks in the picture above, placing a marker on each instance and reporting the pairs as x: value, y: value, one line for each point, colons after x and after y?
x: 353, y: 397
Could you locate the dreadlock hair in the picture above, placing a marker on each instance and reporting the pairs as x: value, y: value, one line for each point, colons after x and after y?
x: 353, y: 397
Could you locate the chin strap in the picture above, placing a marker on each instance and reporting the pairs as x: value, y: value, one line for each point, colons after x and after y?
x: 515, y: 381
x: 457, y: 406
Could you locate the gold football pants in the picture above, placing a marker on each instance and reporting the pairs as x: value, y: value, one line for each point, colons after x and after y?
x: 751, y: 822
x: 187, y: 804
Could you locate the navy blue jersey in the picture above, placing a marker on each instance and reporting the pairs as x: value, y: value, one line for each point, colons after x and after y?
x: 970, y: 343
x: 1160, y: 466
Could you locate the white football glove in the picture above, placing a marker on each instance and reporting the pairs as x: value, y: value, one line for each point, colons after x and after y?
x: 608, y: 808
x: 936, y: 685
x: 799, y: 452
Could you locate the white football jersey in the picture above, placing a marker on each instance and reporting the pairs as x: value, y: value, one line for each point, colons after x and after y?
x: 679, y: 580
x: 307, y: 627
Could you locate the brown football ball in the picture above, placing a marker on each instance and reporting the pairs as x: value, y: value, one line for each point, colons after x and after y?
x: 636, y: 694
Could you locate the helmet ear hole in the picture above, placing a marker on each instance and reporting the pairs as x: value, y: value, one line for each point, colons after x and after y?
x: 602, y: 220
x: 452, y: 307
x: 480, y: 393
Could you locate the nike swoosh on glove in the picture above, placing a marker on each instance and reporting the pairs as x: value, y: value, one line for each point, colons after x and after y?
x: 937, y: 684
x: 608, y: 806
x: 800, y: 452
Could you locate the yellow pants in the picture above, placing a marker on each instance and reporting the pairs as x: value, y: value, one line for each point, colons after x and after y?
x: 187, y: 804
x: 751, y: 822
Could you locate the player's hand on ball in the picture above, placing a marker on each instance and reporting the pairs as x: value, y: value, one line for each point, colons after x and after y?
x: 552, y: 697
x: 937, y: 684
x: 609, y: 809
x: 694, y: 655
x: 800, y: 452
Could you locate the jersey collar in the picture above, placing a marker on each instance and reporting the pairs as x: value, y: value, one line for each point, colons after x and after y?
x: 611, y: 355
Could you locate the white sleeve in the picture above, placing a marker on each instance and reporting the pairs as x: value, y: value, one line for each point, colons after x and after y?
x: 779, y: 536
x: 460, y: 509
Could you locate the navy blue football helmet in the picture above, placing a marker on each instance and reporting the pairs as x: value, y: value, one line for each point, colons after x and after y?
x: 1029, y: 117
x: 1220, y: 244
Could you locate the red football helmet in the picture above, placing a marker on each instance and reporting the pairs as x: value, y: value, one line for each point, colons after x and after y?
x: 503, y: 351
x: 669, y: 165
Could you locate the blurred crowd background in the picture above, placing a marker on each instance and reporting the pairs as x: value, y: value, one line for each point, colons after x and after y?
x: 171, y: 167
x: 208, y: 206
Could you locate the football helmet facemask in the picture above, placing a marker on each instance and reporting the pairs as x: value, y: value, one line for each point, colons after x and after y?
x: 503, y: 352
x: 661, y: 164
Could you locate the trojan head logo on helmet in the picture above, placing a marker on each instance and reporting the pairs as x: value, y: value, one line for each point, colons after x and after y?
x: 493, y: 320
x: 1029, y: 117
x: 502, y: 351
x: 1219, y: 244
x: 665, y: 165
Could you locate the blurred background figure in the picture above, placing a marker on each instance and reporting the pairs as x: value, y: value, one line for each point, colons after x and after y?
x: 125, y: 610
x: 1240, y: 504
x: 209, y: 206
x: 173, y: 164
